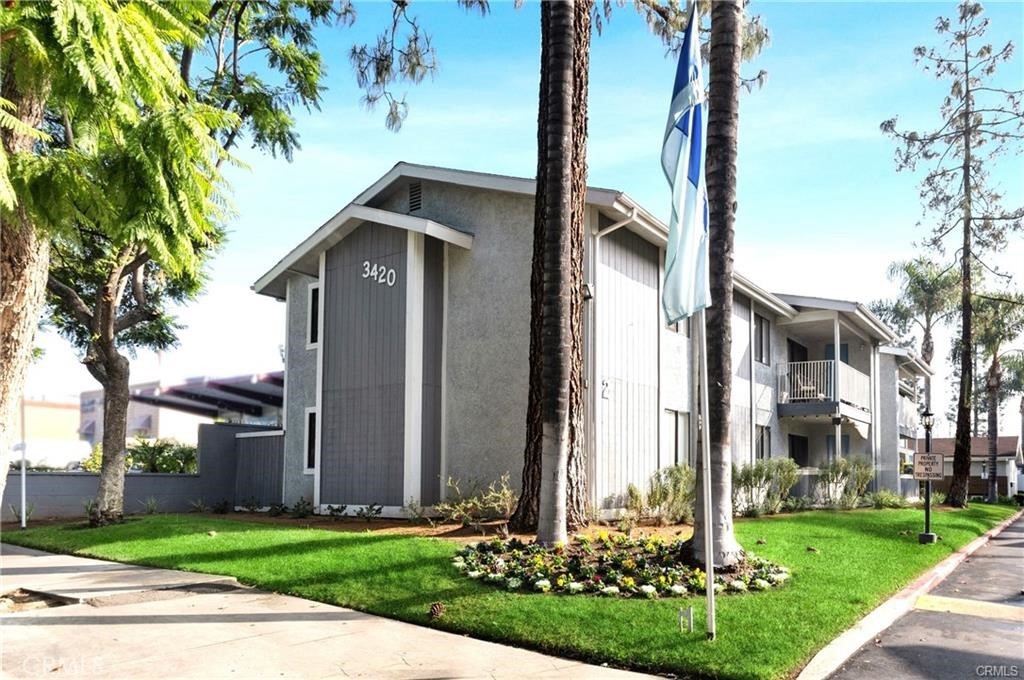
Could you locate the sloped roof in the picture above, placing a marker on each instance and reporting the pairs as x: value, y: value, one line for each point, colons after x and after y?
x: 1006, y: 447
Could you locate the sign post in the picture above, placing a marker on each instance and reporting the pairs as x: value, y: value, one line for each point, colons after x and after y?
x: 927, y: 466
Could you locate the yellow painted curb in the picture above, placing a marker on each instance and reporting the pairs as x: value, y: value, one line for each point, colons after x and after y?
x: 958, y: 605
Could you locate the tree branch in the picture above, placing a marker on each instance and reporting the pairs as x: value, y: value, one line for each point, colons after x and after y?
x: 71, y: 299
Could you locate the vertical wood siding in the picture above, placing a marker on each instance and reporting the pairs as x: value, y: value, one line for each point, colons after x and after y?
x: 258, y: 468
x: 433, y: 330
x: 363, y: 341
x: 628, y: 322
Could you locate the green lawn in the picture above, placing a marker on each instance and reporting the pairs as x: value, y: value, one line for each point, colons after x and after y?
x: 861, y: 559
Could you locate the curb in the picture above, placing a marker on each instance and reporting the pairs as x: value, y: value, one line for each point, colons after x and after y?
x: 835, y: 653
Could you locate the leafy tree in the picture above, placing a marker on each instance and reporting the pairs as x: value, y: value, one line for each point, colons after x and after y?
x: 999, y: 321
x: 91, y: 66
x: 927, y: 298
x: 256, y: 61
x: 980, y: 123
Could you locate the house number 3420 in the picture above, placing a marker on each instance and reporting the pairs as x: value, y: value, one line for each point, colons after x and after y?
x: 376, y: 272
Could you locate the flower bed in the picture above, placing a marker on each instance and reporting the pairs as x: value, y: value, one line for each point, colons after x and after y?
x: 611, y: 565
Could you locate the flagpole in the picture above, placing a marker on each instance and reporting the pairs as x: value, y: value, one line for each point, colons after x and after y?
x: 705, y: 440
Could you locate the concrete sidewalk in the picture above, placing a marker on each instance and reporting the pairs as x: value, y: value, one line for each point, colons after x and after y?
x: 135, y: 622
x: 970, y: 626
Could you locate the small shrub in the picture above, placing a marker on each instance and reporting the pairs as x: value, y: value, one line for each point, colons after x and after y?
x: 164, y: 455
x: 89, y: 506
x: 938, y: 497
x: 861, y: 472
x: 222, y: 507
x: 832, y: 481
x: 671, y: 493
x: 416, y: 512
x: 636, y: 505
x: 336, y: 512
x: 368, y: 512
x: 478, y: 503
x: 94, y: 461
x: 848, y: 501
x: 277, y: 509
x: 751, y: 485
x: 197, y: 506
x: 150, y: 505
x: 302, y: 508
x: 251, y: 504
x: 797, y: 503
x: 30, y: 508
x: 887, y: 499
x: 785, y: 475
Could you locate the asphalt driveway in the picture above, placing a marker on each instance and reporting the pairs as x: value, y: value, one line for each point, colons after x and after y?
x: 970, y: 626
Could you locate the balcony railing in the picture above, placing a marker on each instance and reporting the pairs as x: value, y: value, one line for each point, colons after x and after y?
x: 908, y: 414
x: 804, y: 381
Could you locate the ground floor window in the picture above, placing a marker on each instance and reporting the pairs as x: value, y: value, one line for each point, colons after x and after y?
x: 680, y: 424
x: 310, y: 438
x: 799, y: 450
x: 762, y: 442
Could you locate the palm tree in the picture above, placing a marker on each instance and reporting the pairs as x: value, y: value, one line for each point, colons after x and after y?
x: 997, y: 321
x: 722, y: 143
x: 927, y: 298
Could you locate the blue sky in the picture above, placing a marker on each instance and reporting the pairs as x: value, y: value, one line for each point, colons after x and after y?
x: 821, y: 208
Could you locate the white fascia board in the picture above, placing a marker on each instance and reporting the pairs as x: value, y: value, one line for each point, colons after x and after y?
x: 469, y: 178
x: 342, y: 224
x: 762, y: 296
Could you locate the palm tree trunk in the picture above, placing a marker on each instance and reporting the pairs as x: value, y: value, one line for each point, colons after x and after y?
x: 24, y: 260
x: 554, y: 493
x: 993, y: 427
x: 556, y: 327
x: 576, y: 491
x: 722, y: 142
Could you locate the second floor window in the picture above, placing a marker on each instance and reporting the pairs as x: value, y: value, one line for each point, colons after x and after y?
x: 313, y: 321
x: 762, y: 342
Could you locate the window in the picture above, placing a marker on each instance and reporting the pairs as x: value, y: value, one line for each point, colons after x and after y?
x: 310, y: 439
x: 680, y: 426
x: 762, y: 443
x: 844, y: 352
x: 762, y: 343
x: 680, y: 327
x: 799, y: 450
x: 313, y: 320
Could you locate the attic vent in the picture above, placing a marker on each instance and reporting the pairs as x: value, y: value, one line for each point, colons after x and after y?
x: 415, y: 196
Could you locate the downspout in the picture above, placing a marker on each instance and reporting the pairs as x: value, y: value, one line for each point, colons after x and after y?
x: 753, y: 400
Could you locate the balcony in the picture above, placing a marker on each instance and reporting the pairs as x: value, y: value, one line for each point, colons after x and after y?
x: 907, y: 417
x: 813, y: 383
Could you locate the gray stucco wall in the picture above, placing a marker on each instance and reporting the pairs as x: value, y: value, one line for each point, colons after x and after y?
x: 488, y: 325
x: 362, y: 409
x: 300, y: 391
x: 888, y: 453
x: 62, y: 494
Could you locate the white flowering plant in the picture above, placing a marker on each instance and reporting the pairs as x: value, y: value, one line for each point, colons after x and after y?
x: 608, y: 565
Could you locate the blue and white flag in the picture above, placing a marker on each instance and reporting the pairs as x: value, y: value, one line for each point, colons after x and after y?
x: 686, y: 288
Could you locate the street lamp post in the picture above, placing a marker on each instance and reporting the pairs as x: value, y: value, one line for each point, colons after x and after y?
x: 927, y: 419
